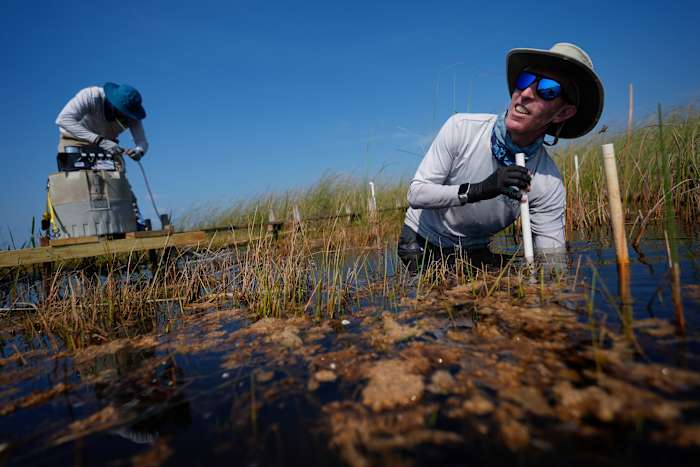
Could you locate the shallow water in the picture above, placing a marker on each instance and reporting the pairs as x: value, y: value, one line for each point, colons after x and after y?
x: 442, y: 379
x: 651, y: 291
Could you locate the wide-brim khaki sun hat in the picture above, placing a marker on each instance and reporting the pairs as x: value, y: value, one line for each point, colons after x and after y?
x: 576, y: 65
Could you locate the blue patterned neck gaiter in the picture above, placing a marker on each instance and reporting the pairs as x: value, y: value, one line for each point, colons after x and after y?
x: 504, y: 149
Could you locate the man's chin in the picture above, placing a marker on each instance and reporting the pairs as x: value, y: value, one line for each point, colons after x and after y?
x: 514, y: 126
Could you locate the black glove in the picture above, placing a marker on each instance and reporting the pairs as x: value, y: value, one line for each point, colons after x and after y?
x: 110, y: 146
x: 501, y: 182
x: 135, y: 153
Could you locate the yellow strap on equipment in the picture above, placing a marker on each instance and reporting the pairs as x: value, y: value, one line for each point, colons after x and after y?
x: 50, y: 214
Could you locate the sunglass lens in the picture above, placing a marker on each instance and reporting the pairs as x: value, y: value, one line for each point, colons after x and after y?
x: 524, y: 80
x: 548, y: 89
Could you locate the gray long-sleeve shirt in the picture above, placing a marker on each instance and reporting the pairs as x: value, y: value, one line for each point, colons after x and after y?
x: 461, y: 153
x: 83, y: 118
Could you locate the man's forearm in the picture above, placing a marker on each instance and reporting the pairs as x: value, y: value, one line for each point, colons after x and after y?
x: 422, y: 195
x: 76, y: 130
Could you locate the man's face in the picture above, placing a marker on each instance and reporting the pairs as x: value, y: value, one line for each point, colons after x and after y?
x: 529, y: 115
x: 122, y: 119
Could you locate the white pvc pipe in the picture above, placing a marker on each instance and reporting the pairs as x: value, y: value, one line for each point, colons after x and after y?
x: 373, y: 198
x: 525, y: 216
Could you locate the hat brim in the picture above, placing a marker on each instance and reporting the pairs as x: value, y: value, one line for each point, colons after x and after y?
x: 590, y: 89
x: 111, y: 95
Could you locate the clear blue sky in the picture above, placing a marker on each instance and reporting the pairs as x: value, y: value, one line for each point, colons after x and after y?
x: 244, y: 97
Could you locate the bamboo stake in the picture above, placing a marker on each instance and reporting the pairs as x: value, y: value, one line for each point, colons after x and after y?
x: 670, y: 232
x: 618, y: 223
x: 616, y: 213
x: 525, y: 216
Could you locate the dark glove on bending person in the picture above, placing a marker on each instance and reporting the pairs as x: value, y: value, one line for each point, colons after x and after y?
x: 135, y: 153
x: 501, y: 182
x: 110, y: 146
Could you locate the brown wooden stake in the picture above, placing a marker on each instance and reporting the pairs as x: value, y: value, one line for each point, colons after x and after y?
x: 623, y: 275
x: 677, y: 298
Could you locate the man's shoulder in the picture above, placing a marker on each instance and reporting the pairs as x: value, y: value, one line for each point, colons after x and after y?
x: 468, y: 124
x: 472, y: 119
x: 546, y: 167
x: 92, y: 91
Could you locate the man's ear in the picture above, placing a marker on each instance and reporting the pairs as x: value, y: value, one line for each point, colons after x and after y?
x: 565, y: 113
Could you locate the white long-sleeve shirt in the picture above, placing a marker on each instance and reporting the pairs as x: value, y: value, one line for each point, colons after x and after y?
x: 461, y: 153
x: 83, y: 118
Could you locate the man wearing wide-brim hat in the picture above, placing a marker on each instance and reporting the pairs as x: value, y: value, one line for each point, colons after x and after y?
x: 96, y: 116
x: 467, y: 188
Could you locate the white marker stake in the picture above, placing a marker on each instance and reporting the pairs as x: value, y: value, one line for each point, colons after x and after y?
x: 372, y: 203
x: 525, y: 216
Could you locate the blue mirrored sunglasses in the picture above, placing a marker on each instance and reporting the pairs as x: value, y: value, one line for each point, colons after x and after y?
x: 547, y: 88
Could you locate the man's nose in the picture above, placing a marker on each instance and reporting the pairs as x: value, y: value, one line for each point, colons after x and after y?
x: 530, y: 91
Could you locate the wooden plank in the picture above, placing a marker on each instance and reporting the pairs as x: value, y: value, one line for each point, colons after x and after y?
x: 65, y: 252
x: 148, y: 234
x: 25, y: 256
x: 74, y: 241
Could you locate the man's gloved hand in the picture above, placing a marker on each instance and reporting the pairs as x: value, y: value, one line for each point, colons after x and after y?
x: 501, y: 182
x: 111, y: 147
x: 135, y: 153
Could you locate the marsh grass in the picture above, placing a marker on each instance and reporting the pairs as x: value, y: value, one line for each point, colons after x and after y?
x: 325, y: 273
x: 320, y: 270
x: 640, y: 168
x: 338, y: 258
x: 334, y: 195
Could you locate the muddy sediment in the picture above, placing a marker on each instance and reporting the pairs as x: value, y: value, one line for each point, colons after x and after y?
x: 454, y: 377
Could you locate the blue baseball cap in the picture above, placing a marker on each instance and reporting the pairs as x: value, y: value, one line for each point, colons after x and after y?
x: 126, y: 99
